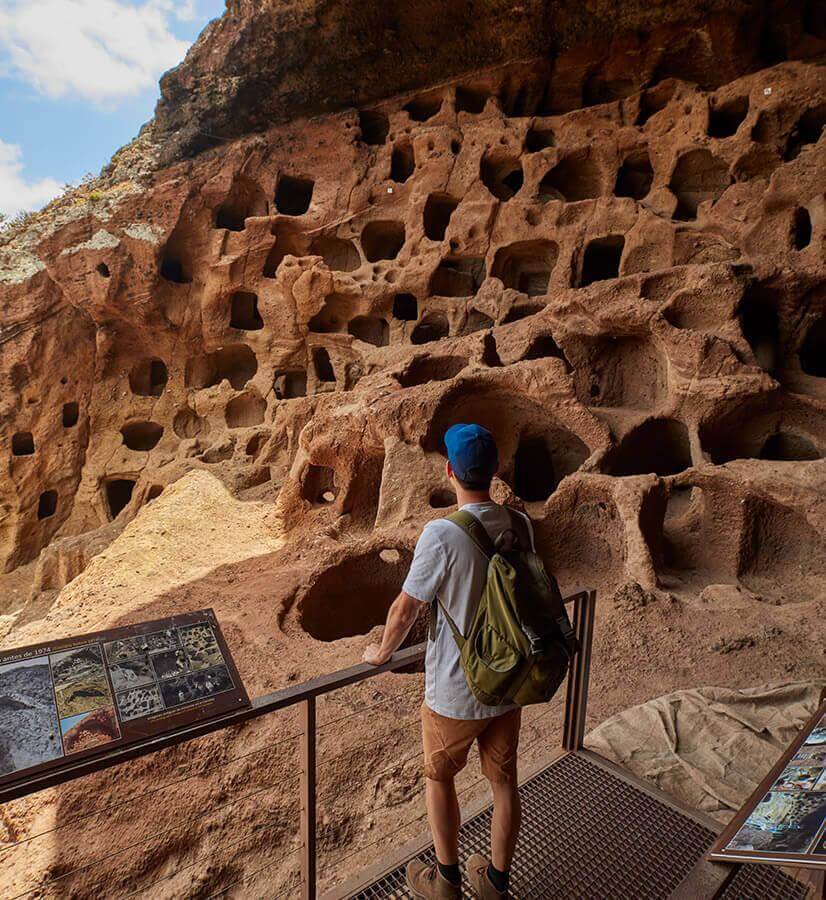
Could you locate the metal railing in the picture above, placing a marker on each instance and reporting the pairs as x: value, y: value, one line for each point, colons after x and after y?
x: 304, y: 698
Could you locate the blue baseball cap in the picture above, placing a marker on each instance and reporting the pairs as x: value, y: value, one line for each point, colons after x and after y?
x: 472, y: 452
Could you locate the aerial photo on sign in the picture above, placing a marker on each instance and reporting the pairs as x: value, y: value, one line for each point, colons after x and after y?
x: 81, y: 695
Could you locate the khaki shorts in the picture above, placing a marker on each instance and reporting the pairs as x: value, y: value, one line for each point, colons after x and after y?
x: 447, y: 743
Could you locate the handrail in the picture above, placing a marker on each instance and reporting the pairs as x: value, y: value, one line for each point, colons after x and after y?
x: 306, y: 694
x: 261, y: 706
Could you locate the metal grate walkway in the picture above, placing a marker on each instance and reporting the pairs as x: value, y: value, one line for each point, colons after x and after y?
x: 587, y: 834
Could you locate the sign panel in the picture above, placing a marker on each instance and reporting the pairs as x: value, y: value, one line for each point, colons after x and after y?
x: 72, y: 698
x: 784, y: 821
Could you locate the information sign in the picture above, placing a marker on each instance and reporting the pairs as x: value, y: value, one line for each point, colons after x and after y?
x: 80, y: 696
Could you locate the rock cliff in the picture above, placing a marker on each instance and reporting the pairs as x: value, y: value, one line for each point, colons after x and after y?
x: 609, y: 252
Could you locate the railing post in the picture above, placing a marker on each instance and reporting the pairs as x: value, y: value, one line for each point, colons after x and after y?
x: 577, y: 697
x: 308, y: 800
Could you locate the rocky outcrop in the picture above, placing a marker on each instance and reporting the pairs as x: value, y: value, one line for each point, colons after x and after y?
x: 265, y: 61
x: 611, y: 255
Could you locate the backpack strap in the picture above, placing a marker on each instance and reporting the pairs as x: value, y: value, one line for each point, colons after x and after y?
x: 474, y: 529
x: 477, y: 532
x: 519, y: 526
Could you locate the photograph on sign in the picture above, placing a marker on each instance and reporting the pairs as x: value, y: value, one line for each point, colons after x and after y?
x: 800, y: 778
x: 784, y: 822
x: 84, y: 695
x: 80, y: 682
x: 29, y: 727
x: 818, y: 735
x: 811, y: 755
x: 89, y: 729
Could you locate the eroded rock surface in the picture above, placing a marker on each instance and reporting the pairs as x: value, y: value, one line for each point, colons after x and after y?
x: 618, y: 269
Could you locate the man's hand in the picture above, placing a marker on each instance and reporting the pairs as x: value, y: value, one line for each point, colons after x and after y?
x: 373, y: 655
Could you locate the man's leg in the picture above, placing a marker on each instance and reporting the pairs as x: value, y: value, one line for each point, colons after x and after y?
x: 446, y: 744
x: 498, y: 746
x: 504, y: 827
x: 444, y: 817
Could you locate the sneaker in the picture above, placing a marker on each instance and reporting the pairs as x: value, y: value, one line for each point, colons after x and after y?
x: 477, y: 873
x: 427, y: 883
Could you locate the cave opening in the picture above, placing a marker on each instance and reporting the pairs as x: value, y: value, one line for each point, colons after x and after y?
x: 699, y: 176
x: 173, y: 270
x: 322, y: 365
x: 441, y: 498
x: 618, y: 372
x: 405, y: 308
x: 543, y: 346
x: 22, y: 444
x: 760, y: 325
x: 801, y: 228
x: 70, y: 414
x: 635, y: 176
x: 501, y: 175
x: 813, y: 350
x: 103, y: 270
x: 533, y: 470
x: 424, y: 369
x: 402, y: 162
x: 370, y: 329
x: 471, y: 99
x: 477, y: 321
x: 287, y: 243
x: 293, y: 195
x: 290, y: 384
x: 602, y: 259
x: 47, y: 504
x: 188, y: 424
x: 458, y: 276
x: 231, y: 216
x: 653, y: 101
x: 148, y: 378
x: 521, y: 311
x: 142, y: 436
x: 437, y: 212
x: 574, y: 178
x: 539, y: 139
x: 422, y: 108
x: 354, y: 596
x: 319, y: 484
x: 526, y: 266
x: 374, y: 126
x: 787, y: 446
x: 118, y: 493
x: 338, y: 254
x: 235, y: 363
x: 245, y: 410
x: 542, y: 460
x: 659, y: 446
x: 382, y: 239
x: 244, y: 313
x: 433, y: 327
x: 807, y: 130
x: 725, y: 118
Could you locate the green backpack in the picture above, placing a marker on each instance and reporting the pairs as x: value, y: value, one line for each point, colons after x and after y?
x: 520, y: 642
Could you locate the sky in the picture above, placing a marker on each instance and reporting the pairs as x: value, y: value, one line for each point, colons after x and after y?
x: 78, y: 78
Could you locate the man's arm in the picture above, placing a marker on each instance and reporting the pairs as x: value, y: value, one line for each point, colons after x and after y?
x: 400, y: 618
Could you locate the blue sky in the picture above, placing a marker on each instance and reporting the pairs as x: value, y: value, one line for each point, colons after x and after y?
x: 78, y: 78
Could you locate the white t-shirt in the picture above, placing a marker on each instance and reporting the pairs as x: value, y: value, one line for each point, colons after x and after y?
x: 448, y: 565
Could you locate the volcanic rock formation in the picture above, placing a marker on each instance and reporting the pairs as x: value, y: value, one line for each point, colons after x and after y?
x: 610, y: 255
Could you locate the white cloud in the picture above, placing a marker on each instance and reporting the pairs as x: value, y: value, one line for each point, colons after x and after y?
x: 100, y: 50
x: 16, y: 193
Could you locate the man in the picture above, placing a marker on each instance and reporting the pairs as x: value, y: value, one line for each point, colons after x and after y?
x: 449, y: 566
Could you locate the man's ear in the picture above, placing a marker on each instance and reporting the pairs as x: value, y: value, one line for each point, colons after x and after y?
x: 449, y: 470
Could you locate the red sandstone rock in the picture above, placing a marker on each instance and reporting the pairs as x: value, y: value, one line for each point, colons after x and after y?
x: 630, y: 294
